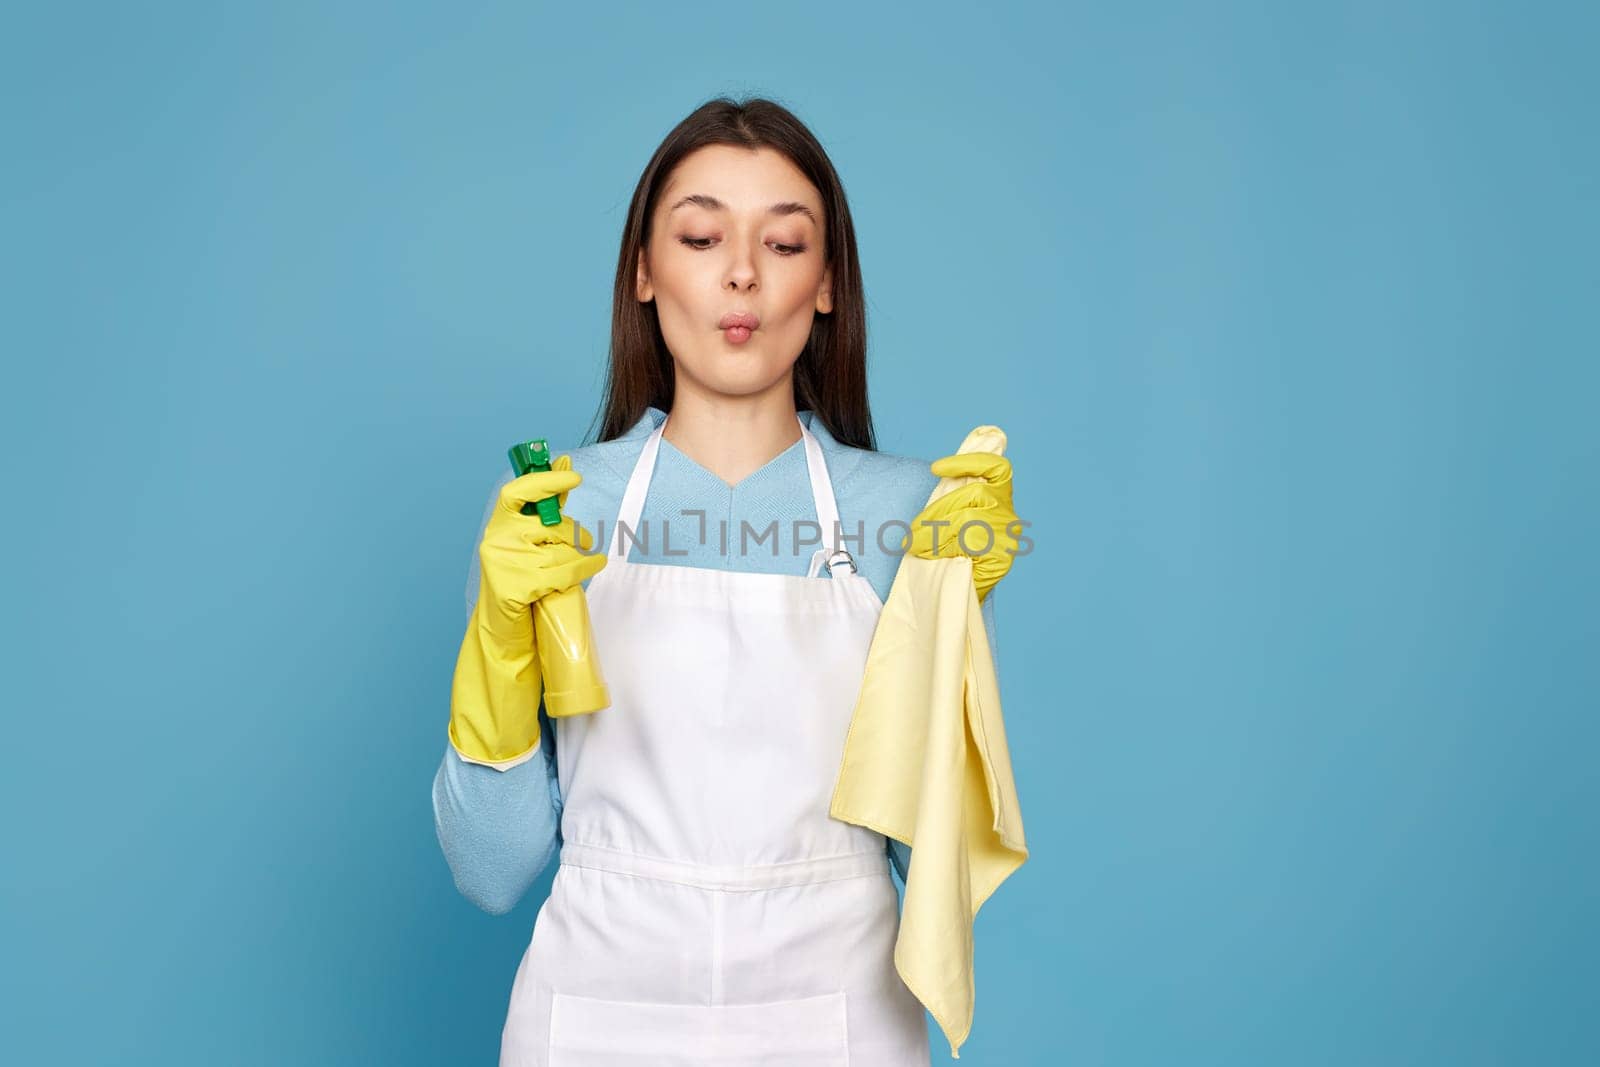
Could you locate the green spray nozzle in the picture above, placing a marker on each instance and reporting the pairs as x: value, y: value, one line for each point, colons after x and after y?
x: 529, y: 456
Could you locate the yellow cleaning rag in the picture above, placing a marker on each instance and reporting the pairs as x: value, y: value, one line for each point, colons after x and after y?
x: 926, y: 762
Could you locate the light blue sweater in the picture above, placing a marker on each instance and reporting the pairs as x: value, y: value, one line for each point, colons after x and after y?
x: 499, y: 829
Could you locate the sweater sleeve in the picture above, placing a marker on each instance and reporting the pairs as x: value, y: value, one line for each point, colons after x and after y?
x: 498, y: 829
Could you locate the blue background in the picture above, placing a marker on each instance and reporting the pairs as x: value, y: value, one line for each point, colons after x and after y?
x: 1288, y: 309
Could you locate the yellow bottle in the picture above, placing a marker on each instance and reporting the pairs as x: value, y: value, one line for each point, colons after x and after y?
x: 573, y: 684
x: 562, y: 635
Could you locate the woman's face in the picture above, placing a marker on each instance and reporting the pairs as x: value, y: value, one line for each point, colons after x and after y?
x: 735, y: 230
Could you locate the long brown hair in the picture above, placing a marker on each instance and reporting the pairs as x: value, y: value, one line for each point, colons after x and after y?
x: 830, y: 375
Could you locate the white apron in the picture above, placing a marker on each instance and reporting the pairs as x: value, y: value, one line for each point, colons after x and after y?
x: 707, y: 909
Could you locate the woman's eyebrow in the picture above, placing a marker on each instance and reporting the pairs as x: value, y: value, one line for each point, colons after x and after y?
x: 711, y: 203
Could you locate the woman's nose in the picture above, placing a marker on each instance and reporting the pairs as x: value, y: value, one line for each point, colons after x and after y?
x: 741, y: 275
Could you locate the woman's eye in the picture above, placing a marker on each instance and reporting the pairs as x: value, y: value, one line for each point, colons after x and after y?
x: 702, y: 243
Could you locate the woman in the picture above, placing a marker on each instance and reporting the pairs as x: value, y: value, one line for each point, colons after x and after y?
x: 706, y: 907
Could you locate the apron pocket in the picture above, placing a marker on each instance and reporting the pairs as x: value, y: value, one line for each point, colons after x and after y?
x: 588, y: 1032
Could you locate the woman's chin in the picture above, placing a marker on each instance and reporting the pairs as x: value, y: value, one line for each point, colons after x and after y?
x: 738, y: 373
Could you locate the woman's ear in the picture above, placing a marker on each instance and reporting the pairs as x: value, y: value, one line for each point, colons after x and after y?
x: 825, y: 292
x: 642, y: 288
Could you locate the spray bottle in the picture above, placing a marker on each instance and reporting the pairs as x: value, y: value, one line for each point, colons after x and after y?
x: 562, y: 635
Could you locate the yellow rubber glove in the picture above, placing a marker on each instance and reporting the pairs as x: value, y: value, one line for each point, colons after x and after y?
x: 974, y: 518
x: 494, y: 697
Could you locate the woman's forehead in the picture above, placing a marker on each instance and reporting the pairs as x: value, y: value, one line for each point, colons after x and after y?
x: 740, y: 180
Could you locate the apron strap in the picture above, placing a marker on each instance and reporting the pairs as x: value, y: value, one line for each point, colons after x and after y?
x: 633, y: 496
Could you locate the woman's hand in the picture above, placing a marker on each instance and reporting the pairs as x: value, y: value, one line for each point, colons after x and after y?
x: 975, y: 519
x: 494, y: 696
x: 521, y: 559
